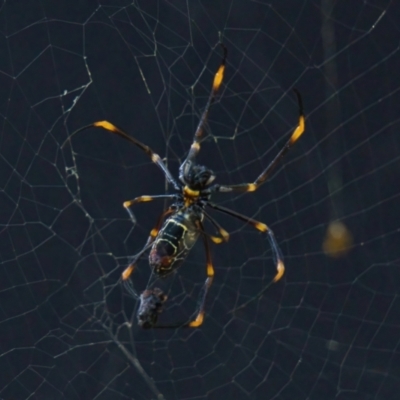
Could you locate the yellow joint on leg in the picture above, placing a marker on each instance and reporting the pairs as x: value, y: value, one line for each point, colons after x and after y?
x: 210, y: 270
x: 281, y: 270
x: 127, y: 272
x: 224, y: 234
x: 299, y: 130
x: 260, y: 226
x: 216, y: 239
x: 106, y: 125
x: 141, y: 199
x: 218, y: 77
x: 251, y: 187
x: 195, y: 146
x: 155, y: 157
x: 154, y: 233
x: 198, y: 321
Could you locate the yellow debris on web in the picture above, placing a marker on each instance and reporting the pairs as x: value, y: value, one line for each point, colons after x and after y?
x: 338, y: 240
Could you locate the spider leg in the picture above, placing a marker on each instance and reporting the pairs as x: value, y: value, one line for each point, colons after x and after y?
x: 143, y: 199
x: 131, y: 267
x: 251, y: 187
x: 195, y: 147
x: 108, y: 126
x: 224, y: 235
x: 207, y: 284
x: 278, y: 258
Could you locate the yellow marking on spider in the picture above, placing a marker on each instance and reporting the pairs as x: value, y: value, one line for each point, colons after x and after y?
x: 218, y: 77
x: 224, y: 234
x: 281, y: 270
x: 216, y: 239
x: 198, y: 321
x: 195, y: 146
x: 251, y: 187
x: 127, y: 272
x: 106, y: 125
x: 299, y: 130
x: 155, y: 158
x: 154, y: 233
x: 179, y: 224
x: 190, y: 193
x: 210, y: 270
x: 260, y: 226
x: 145, y: 198
x: 169, y: 242
x: 141, y: 199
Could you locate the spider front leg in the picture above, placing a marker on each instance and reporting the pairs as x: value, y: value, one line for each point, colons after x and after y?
x: 108, y: 126
x: 195, y: 147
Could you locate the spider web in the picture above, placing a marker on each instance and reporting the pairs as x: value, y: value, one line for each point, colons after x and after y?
x: 330, y: 328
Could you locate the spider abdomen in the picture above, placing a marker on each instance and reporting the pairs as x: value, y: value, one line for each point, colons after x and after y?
x: 177, y: 236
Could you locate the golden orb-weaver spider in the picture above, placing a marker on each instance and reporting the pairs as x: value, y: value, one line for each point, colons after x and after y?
x: 179, y: 227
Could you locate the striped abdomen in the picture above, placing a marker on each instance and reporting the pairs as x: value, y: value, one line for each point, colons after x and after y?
x: 174, y: 241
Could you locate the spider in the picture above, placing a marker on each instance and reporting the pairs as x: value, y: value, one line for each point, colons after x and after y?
x: 179, y: 227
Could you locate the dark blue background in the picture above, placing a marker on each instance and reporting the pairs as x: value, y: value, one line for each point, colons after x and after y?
x: 328, y: 330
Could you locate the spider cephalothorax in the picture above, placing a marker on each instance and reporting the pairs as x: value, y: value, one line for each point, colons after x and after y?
x: 179, y: 227
x: 197, y: 177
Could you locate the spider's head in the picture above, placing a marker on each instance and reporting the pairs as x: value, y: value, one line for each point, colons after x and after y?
x: 196, y: 177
